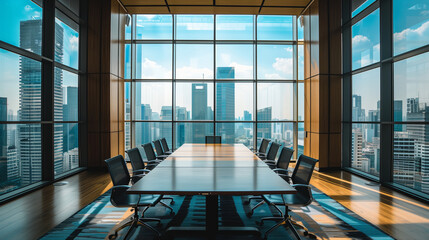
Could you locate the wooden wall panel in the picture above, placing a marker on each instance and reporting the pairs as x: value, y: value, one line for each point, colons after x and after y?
x: 93, y: 102
x: 94, y: 35
x: 314, y: 39
x: 335, y: 106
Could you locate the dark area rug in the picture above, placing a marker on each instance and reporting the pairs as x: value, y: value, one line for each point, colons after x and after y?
x: 325, y: 217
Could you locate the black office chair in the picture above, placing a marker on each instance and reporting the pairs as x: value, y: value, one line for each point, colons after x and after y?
x: 150, y: 153
x: 263, y: 147
x: 158, y: 148
x: 280, y: 167
x: 141, y: 169
x: 282, y: 164
x: 165, y: 146
x: 301, y: 182
x: 213, y: 139
x: 272, y: 152
x: 119, y: 197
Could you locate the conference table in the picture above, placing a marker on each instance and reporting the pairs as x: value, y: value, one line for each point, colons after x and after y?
x: 212, y: 170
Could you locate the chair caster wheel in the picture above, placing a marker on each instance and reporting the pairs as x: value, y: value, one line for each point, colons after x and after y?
x: 172, y: 202
x: 305, y: 233
x: 113, y: 236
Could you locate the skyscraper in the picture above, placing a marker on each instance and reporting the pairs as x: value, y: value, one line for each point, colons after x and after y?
x: 30, y: 103
x: 225, y: 103
x: 199, y: 111
x: 3, y: 140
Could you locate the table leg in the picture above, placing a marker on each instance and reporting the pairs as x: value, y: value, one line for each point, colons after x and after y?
x: 212, y: 217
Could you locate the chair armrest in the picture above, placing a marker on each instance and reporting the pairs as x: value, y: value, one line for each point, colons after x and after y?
x: 119, y: 189
x: 137, y: 177
x: 140, y: 171
x: 271, y: 165
x: 301, y: 185
x: 154, y: 161
x: 281, y: 170
x: 269, y: 161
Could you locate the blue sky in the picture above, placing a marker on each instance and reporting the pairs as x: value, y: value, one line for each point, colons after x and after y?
x: 13, y: 12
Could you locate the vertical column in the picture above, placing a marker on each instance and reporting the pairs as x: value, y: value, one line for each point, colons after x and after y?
x: 106, y: 34
x: 322, y: 69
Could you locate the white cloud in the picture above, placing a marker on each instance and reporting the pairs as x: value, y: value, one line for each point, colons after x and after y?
x: 360, y: 42
x: 411, y: 38
x: 272, y: 76
x: 188, y: 72
x: 196, y: 26
x: 28, y: 8
x: 74, y: 43
x: 151, y: 69
x: 285, y: 66
x: 242, y: 71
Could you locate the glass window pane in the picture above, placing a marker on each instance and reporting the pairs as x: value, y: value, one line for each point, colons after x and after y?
x: 194, y: 101
x: 272, y: 27
x: 410, y: 146
x: 359, y: 5
x: 66, y: 99
x: 234, y: 61
x: 146, y: 132
x: 366, y: 148
x: 127, y: 102
x: 154, y: 61
x: 300, y: 62
x: 199, y: 27
x: 21, y: 24
x: 300, y: 24
x: 127, y: 136
x: 153, y: 100
x: 281, y: 133
x: 21, y: 86
x: 234, y: 27
x: 192, y: 132
x: 236, y: 133
x: 234, y: 101
x: 275, y: 101
x: 66, y: 147
x: 411, y: 89
x: 127, y: 61
x: 366, y: 96
x: 154, y: 27
x: 300, y: 101
x: 410, y: 25
x: 66, y: 42
x: 366, y: 41
x: 20, y: 147
x: 194, y: 61
x: 72, y: 5
x: 275, y: 62
x: 301, y: 136
x: 128, y: 28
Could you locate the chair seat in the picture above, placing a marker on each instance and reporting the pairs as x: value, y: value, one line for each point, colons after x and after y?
x: 297, y: 200
x: 127, y: 200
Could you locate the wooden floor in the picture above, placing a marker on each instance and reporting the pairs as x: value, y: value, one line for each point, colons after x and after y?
x: 34, y: 214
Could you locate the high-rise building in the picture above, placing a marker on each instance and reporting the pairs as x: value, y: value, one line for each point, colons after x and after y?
x: 264, y: 129
x: 199, y: 111
x: 70, y: 110
x: 357, y: 112
x: 165, y: 129
x: 30, y: 103
x: 3, y: 140
x: 225, y: 103
x: 397, y: 114
x: 247, y: 116
x: 404, y: 161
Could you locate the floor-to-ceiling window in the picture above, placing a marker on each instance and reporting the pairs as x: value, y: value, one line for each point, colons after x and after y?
x: 386, y: 114
x: 236, y: 76
x: 39, y: 100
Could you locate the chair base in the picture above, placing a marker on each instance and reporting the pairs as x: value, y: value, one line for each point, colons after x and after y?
x: 290, y: 223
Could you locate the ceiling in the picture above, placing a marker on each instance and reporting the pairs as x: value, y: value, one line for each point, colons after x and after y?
x: 274, y: 7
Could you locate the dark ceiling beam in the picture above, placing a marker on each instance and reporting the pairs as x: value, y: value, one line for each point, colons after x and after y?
x: 260, y: 8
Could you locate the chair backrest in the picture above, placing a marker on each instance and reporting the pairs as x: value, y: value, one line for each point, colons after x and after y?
x: 165, y: 145
x: 284, y: 158
x: 264, y: 145
x: 158, y: 147
x: 135, y: 159
x: 118, y: 170
x: 272, y: 153
x: 303, y: 170
x: 213, y: 139
x: 148, y: 150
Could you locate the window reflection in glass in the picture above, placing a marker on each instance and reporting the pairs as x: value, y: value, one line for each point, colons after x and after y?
x: 194, y: 101
x: 154, y: 61
x: 153, y: 100
x: 234, y: 27
x: 154, y: 27
x: 366, y: 41
x: 66, y: 41
x: 194, y: 61
x: 359, y: 5
x: 271, y: 27
x: 195, y: 27
x: 275, y: 62
x: 411, y: 89
x: 237, y: 57
x: 366, y: 96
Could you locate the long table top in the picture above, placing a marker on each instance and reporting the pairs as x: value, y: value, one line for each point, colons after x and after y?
x: 212, y: 169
